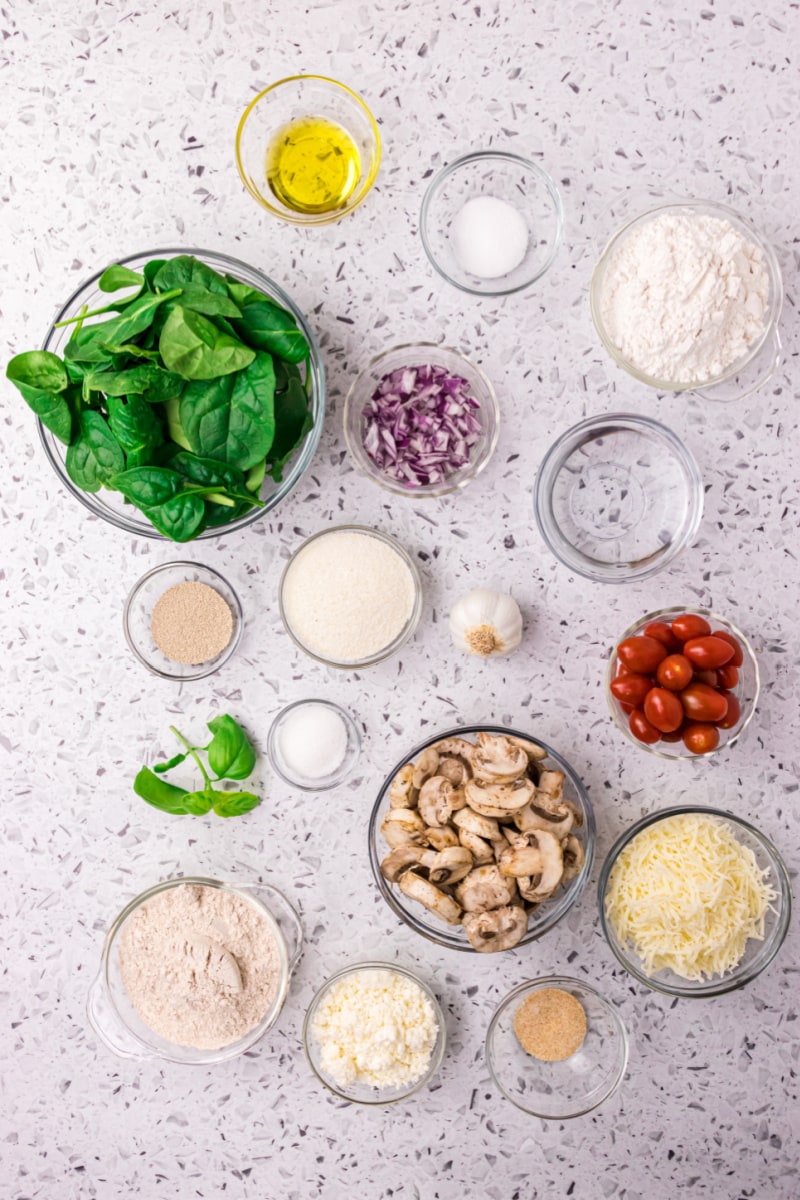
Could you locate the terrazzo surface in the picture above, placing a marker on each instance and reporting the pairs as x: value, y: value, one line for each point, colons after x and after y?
x: 117, y: 124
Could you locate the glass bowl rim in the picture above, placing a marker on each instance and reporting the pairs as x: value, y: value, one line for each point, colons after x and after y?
x: 221, y: 658
x: 248, y: 1040
x: 472, y: 471
x: 777, y: 290
x: 530, y: 986
x: 437, y: 1053
x: 658, y: 615
x: 553, y: 461
x: 450, y: 168
x: 327, y: 781
x: 304, y: 453
x: 311, y: 219
x: 725, y: 984
x: 405, y: 634
x: 565, y: 902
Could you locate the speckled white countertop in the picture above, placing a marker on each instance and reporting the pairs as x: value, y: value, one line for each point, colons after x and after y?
x: 117, y: 125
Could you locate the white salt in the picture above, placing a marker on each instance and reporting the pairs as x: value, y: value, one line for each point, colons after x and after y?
x: 313, y: 741
x: 489, y: 237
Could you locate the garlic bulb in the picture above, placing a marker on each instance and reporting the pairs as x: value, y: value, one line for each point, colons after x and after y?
x: 485, y: 622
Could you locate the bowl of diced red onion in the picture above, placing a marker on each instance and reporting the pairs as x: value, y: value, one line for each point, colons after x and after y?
x: 421, y: 420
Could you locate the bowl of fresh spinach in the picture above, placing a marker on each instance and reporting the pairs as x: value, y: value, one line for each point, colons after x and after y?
x: 180, y: 394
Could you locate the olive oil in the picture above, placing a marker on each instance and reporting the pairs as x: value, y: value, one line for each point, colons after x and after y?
x: 313, y: 165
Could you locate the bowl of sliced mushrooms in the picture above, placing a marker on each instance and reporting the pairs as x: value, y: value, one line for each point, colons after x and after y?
x: 482, y: 838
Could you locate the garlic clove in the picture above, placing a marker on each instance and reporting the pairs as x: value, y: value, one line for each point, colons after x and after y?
x: 486, y: 622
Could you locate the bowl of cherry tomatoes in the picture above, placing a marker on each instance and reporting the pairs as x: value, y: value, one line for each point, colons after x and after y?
x: 682, y: 683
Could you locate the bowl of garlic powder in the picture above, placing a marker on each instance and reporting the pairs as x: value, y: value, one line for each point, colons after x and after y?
x: 687, y: 296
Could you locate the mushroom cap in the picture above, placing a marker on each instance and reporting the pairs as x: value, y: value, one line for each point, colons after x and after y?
x: 450, y: 865
x: 485, y: 888
x: 557, y: 820
x: 441, y: 836
x: 435, y: 800
x: 479, y: 848
x: 471, y: 821
x: 422, y: 890
x: 499, y: 799
x: 402, y: 793
x: 534, y: 752
x: 402, y: 825
x: 457, y: 746
x: 521, y: 860
x: 425, y: 766
x: 455, y: 768
x: 498, y: 930
x: 403, y: 857
x: 495, y: 759
x: 574, y: 857
x: 551, y: 783
x: 552, y: 866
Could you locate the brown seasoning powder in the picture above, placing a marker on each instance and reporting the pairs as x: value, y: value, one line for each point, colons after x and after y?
x: 191, y: 623
x: 550, y: 1025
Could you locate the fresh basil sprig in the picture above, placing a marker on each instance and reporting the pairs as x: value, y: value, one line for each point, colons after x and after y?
x: 230, y: 756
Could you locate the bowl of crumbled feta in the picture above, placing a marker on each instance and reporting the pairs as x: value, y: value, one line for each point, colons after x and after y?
x: 374, y: 1034
x: 688, y: 296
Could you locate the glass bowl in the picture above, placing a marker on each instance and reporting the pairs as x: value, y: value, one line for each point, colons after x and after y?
x: 556, y: 1091
x: 746, y: 690
x: 762, y: 357
x: 415, y: 355
x: 508, y: 177
x: 110, y: 506
x: 757, y: 955
x: 540, y: 920
x: 307, y: 783
x: 404, y: 634
x: 119, y: 1026
x: 364, y: 1093
x: 138, y: 614
x: 618, y: 497
x: 285, y: 101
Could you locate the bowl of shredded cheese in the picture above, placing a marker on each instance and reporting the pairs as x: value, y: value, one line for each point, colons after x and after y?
x: 694, y: 901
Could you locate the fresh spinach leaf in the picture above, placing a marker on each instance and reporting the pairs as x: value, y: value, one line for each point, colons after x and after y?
x: 208, y: 472
x: 95, y: 456
x: 233, y: 418
x: 175, y: 428
x: 147, y: 380
x: 210, y: 304
x: 255, y: 477
x: 116, y: 276
x: 179, y: 518
x: 193, y: 347
x: 91, y: 343
x: 159, y: 793
x: 134, y: 424
x: 39, y: 370
x: 267, y: 326
x: 234, y: 804
x: 148, y: 487
x: 185, y: 269
x: 230, y: 754
x: 293, y: 420
x: 151, y: 269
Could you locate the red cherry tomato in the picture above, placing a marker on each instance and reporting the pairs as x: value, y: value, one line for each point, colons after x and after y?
x: 702, y: 703
x: 728, y: 676
x: 663, y: 709
x: 627, y: 708
x: 661, y: 631
x: 642, y: 729
x: 709, y: 677
x: 690, y: 626
x: 700, y: 738
x: 708, y: 652
x: 738, y: 656
x: 631, y: 689
x: 675, y: 736
x: 641, y: 654
x: 732, y: 716
x: 622, y: 669
x: 674, y: 673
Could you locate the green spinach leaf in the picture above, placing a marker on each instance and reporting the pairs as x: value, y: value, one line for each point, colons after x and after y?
x: 193, y: 347
x: 232, y: 419
x: 179, y: 518
x: 39, y: 370
x: 134, y: 424
x: 95, y: 456
x: 185, y: 269
x: 116, y: 277
x: 293, y: 421
x: 91, y: 343
x: 267, y: 326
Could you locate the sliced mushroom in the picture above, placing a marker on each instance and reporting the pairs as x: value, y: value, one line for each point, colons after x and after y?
x: 403, y: 825
x: 551, y: 783
x: 480, y: 849
x: 577, y: 815
x: 525, y: 887
x: 403, y: 857
x: 572, y: 852
x: 499, y: 799
x: 552, y: 866
x: 456, y: 769
x: 457, y: 746
x: 521, y: 860
x: 424, y: 892
x: 425, y: 766
x: 450, y: 865
x: 435, y: 800
x: 485, y: 888
x: 440, y: 837
x: 534, y: 752
x: 557, y: 821
x: 497, y: 930
x: 483, y: 827
x: 402, y: 793
x: 495, y: 759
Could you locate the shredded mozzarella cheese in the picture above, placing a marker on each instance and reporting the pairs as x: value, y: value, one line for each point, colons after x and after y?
x: 686, y: 896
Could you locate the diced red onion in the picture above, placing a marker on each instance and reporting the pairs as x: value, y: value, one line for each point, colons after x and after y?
x: 420, y: 425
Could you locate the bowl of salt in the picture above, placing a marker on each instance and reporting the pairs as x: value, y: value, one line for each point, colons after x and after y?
x: 313, y: 745
x: 491, y: 222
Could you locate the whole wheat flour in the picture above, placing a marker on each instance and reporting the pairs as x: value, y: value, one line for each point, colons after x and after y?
x: 200, y: 965
x: 683, y: 296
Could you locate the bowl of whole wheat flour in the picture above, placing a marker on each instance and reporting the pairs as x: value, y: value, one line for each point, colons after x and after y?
x: 195, y: 970
x: 687, y: 296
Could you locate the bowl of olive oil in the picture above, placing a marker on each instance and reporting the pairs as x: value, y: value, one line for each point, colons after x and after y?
x: 308, y: 149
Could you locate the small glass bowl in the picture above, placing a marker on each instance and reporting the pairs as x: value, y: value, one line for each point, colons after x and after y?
x: 556, y: 1091
x: 404, y: 634
x: 757, y: 955
x: 618, y: 497
x: 545, y: 915
x: 746, y: 690
x: 364, y: 1093
x: 762, y: 357
x: 508, y: 177
x: 285, y: 101
x: 307, y: 783
x: 415, y: 355
x: 138, y: 614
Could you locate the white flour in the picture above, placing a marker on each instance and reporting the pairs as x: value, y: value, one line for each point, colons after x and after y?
x: 348, y: 595
x: 684, y: 296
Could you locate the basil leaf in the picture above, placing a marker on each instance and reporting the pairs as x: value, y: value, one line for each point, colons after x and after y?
x: 199, y: 803
x: 267, y: 326
x: 95, y: 456
x: 230, y: 754
x: 116, y: 276
x: 193, y: 347
x: 232, y: 419
x: 176, y: 761
x: 159, y: 793
x: 234, y: 804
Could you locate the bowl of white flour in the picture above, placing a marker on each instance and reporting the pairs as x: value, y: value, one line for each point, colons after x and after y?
x: 687, y: 296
